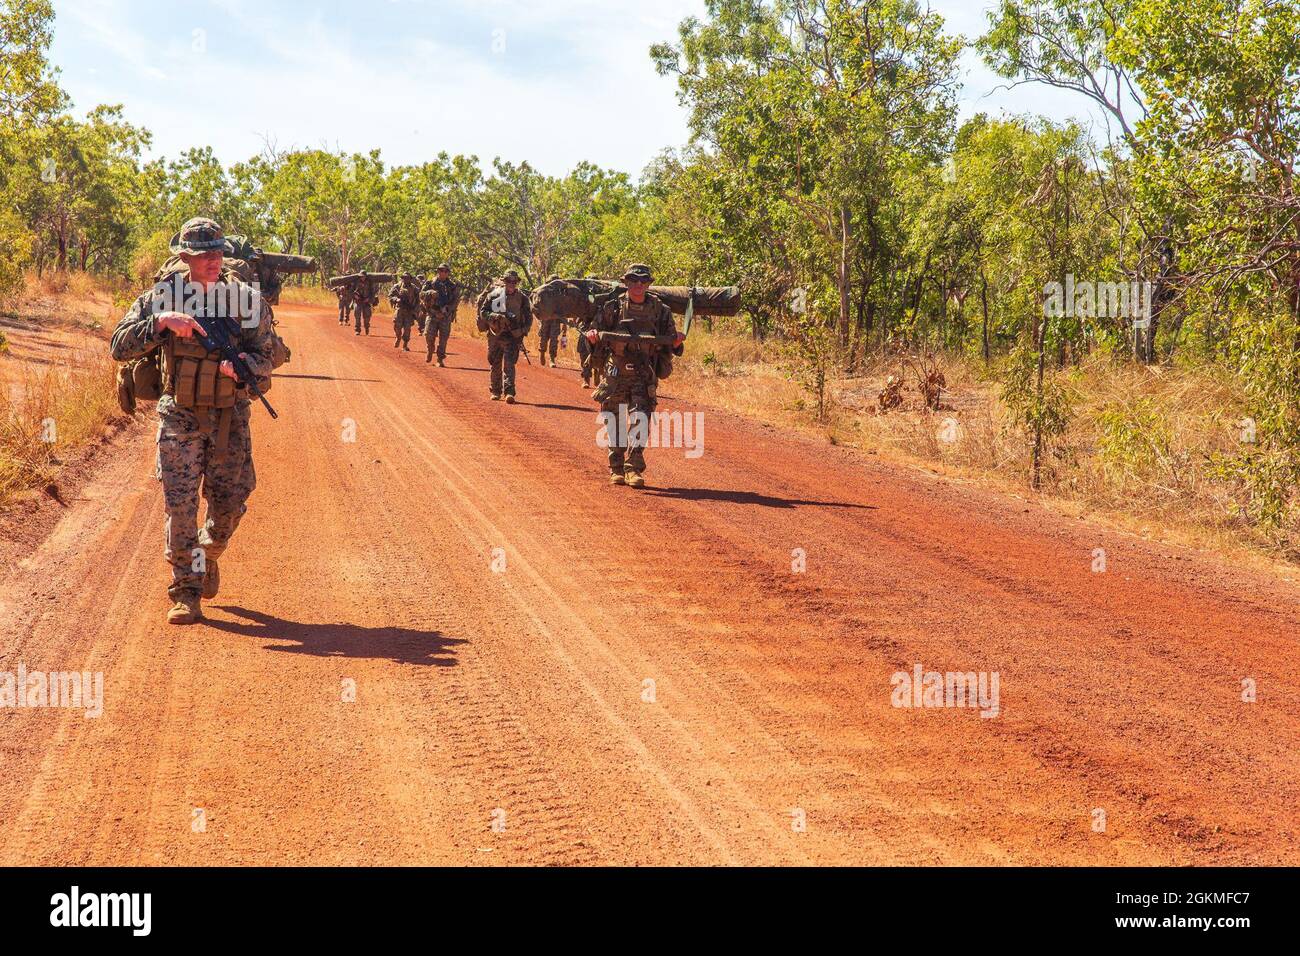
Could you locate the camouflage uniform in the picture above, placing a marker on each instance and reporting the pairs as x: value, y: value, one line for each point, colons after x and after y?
x: 191, y: 436
x: 345, y: 303
x: 548, y: 337
x: 631, y: 379
x: 440, y: 298
x: 362, y: 302
x: 587, y: 358
x: 548, y: 334
x: 507, y: 317
x: 404, y: 296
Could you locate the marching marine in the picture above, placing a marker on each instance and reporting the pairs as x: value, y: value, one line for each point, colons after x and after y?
x: 506, y: 315
x: 363, y: 300
x: 548, y: 334
x: 204, y: 439
x: 634, y: 337
x: 344, y: 293
x: 587, y: 359
x: 404, y: 297
x: 438, y: 300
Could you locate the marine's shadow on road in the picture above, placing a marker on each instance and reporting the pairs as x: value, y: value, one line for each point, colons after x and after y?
x: 403, y: 645
x: 563, y: 408
x: 748, y: 498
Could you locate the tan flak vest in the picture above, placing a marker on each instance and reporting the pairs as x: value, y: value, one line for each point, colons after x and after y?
x: 191, y: 375
x: 640, y: 319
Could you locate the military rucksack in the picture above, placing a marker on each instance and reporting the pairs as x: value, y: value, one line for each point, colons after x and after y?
x: 139, y: 381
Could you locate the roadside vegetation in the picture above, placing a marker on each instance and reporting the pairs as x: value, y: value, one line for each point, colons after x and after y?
x: 1107, y: 314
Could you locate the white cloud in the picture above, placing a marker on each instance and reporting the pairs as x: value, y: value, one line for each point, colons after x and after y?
x: 575, y: 81
x: 101, y: 22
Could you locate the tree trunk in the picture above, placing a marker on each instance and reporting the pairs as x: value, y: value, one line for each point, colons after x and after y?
x: 842, y: 274
x: 984, y: 303
x: 1036, y: 479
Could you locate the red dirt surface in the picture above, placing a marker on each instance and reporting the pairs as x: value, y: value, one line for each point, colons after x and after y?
x: 519, y: 698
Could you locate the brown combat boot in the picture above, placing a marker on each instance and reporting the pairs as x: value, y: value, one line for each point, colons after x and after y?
x: 440, y: 365
x: 634, y: 479
x: 510, y: 399
x: 616, y: 479
x: 185, y: 611
x: 211, y: 579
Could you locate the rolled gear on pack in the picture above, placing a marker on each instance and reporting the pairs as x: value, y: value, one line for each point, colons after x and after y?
x: 352, y: 278
x: 579, y: 299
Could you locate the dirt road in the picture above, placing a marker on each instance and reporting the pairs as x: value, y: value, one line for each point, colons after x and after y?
x: 647, y: 678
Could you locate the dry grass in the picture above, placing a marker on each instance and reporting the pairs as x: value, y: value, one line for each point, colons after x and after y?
x: 57, y: 387
x: 72, y: 300
x: 308, y: 295
x: 1137, y: 452
x: 47, y: 412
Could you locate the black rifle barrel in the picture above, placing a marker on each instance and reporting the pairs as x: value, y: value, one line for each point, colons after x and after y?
x: 217, y: 338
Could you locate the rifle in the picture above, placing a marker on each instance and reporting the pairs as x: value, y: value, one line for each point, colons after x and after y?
x: 522, y: 347
x: 217, y: 338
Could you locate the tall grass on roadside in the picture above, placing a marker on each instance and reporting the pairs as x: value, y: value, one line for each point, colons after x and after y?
x: 47, y: 412
x: 1140, y: 445
x: 308, y: 295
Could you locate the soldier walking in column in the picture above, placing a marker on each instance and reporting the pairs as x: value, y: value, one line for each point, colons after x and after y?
x: 363, y: 300
x: 637, y: 352
x: 507, y: 316
x: 439, y: 299
x: 344, y: 293
x: 204, y: 439
x: 548, y: 335
x: 404, y: 297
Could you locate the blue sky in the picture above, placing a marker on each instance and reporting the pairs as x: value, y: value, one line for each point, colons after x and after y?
x: 545, y: 81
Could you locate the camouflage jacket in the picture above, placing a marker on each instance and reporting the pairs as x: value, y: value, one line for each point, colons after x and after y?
x: 652, y: 317
x: 137, y: 334
x: 440, y: 297
x: 516, y: 317
x: 404, y: 299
